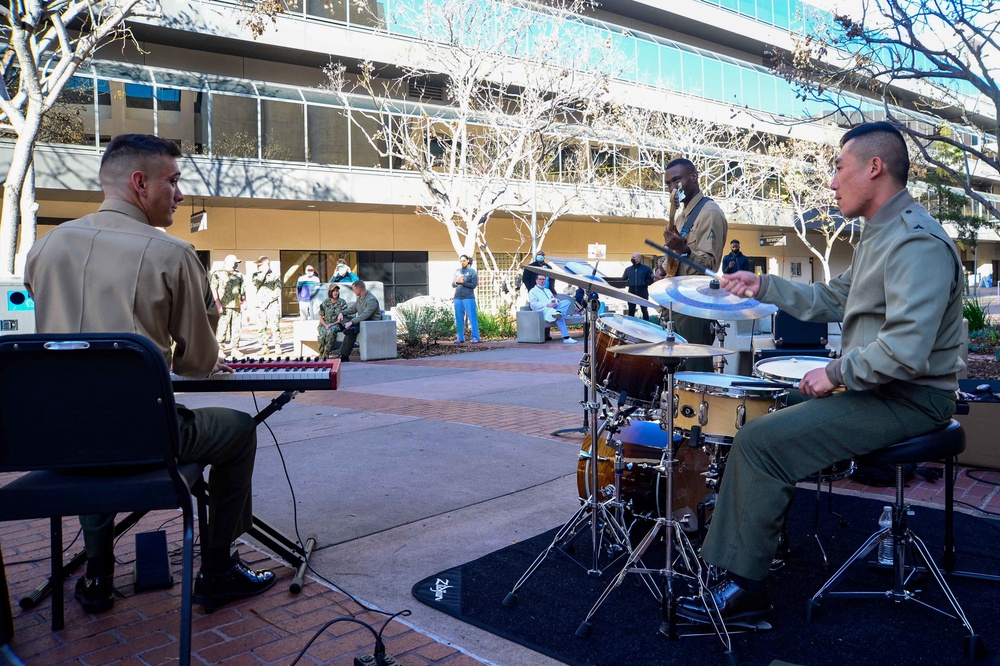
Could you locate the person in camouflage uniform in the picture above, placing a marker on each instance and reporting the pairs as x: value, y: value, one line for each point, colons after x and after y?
x: 230, y: 295
x: 329, y: 326
x: 268, y: 286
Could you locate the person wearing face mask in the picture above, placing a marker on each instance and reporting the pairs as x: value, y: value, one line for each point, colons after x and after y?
x: 639, y: 277
x: 699, y: 234
x: 528, y: 276
x: 305, y: 290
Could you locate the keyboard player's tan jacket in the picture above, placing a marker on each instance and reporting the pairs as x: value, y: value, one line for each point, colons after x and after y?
x: 113, y: 272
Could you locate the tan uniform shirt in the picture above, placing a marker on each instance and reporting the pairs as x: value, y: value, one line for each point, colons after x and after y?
x: 112, y: 272
x: 707, y: 237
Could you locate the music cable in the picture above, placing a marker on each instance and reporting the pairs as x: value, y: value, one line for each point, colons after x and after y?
x: 295, y: 523
x: 378, y: 658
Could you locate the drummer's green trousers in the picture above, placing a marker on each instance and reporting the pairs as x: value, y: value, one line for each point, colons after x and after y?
x: 772, y: 452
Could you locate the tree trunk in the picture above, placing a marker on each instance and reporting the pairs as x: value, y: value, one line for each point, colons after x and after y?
x: 29, y: 219
x: 13, y: 193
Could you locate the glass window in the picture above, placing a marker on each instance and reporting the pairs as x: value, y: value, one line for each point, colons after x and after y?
x: 234, y: 126
x: 713, y: 79
x: 781, y: 13
x: 181, y: 121
x: 730, y: 4
x: 751, y: 89
x: 138, y: 96
x: 732, y: 86
x: 327, y: 135
x: 283, y: 131
x: 335, y: 10
x: 670, y: 66
x: 693, y: 78
x: 748, y: 8
x: 623, y: 55
x: 647, y: 61
x: 71, y: 118
x: 370, y: 13
x: 765, y: 10
x: 368, y: 145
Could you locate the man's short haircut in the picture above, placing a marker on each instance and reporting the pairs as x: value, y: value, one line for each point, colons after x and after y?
x: 881, y: 139
x: 136, y: 148
x: 359, y: 284
x: 682, y: 162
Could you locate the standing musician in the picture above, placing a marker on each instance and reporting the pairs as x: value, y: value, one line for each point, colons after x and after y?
x: 116, y: 271
x: 901, y: 305
x: 698, y: 234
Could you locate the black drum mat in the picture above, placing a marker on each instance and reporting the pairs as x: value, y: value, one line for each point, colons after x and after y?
x: 625, y: 630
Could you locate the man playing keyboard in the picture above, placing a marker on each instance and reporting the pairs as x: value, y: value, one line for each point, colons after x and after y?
x: 116, y: 271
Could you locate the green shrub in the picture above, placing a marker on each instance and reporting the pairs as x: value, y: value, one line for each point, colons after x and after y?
x: 974, y: 312
x: 496, y: 326
x: 419, y: 323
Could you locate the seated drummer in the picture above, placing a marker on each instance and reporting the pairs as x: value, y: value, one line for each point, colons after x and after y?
x: 77, y: 275
x: 901, y: 304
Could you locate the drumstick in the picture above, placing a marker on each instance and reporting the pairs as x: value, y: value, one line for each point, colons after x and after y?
x: 687, y: 262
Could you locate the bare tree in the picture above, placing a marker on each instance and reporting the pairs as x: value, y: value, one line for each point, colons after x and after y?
x: 927, y: 67
x: 485, y: 110
x: 48, y: 40
x: 801, y: 173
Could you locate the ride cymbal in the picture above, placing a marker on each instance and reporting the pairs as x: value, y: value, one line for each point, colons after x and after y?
x: 700, y: 296
x: 670, y: 349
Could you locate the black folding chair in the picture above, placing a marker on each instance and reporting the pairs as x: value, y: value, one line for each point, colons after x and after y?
x: 91, y: 419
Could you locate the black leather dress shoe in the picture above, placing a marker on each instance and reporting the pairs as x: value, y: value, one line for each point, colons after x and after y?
x: 96, y: 594
x: 236, y: 582
x: 734, y: 603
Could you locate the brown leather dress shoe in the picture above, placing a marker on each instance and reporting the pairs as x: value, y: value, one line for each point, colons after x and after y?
x: 733, y: 601
x: 96, y: 594
x: 236, y: 582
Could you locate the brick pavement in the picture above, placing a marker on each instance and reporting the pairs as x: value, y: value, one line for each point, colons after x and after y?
x: 274, y: 627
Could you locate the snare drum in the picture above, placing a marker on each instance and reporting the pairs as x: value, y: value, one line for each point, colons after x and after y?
x: 638, y: 376
x: 788, y: 368
x: 643, y: 489
x: 710, y: 400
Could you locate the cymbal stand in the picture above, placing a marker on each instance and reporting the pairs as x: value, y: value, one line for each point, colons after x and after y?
x: 673, y: 536
x: 719, y: 331
x: 603, y: 524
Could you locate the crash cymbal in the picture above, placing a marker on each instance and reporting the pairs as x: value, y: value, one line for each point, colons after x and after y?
x: 593, y: 283
x: 670, y: 349
x: 697, y: 296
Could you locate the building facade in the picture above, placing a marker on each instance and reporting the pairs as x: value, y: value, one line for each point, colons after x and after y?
x: 281, y: 166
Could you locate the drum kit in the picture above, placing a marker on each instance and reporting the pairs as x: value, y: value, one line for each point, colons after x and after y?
x: 660, y: 438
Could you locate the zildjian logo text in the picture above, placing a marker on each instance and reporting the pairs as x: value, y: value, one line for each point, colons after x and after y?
x: 440, y: 587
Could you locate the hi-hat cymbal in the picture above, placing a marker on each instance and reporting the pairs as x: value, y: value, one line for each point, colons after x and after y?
x: 670, y: 349
x: 594, y: 283
x: 696, y: 296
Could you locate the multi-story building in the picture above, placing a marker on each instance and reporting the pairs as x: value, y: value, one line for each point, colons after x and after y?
x: 280, y: 168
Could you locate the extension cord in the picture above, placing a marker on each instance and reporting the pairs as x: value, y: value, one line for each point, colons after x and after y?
x: 369, y: 660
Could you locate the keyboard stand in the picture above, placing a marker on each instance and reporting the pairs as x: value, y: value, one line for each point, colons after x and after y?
x: 292, y: 552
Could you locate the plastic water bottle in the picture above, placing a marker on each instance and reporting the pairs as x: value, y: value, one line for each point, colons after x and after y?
x: 885, y: 542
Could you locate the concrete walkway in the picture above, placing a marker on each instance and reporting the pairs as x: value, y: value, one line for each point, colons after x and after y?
x: 409, y: 468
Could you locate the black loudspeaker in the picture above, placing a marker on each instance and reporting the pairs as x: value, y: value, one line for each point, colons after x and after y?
x: 792, y: 333
x: 152, y: 564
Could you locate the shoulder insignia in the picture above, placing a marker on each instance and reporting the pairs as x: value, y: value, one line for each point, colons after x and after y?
x: 711, y: 234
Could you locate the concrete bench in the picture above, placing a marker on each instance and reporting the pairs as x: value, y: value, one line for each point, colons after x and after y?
x: 376, y: 338
x: 532, y: 327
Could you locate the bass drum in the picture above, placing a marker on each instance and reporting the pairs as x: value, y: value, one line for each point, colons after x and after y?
x: 643, y: 489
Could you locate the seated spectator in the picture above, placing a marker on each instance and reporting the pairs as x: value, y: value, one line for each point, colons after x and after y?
x: 543, y: 300
x: 329, y: 321
x: 365, y: 308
